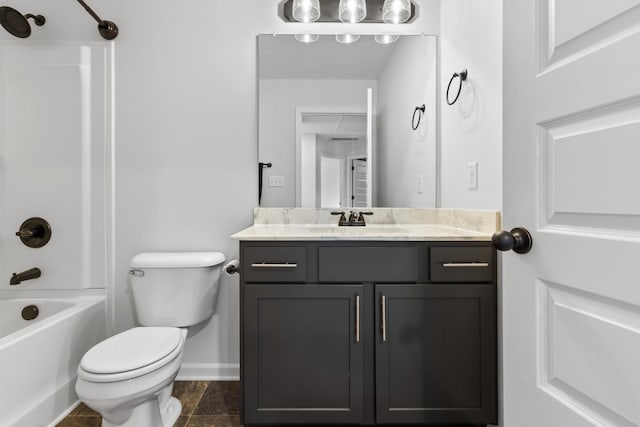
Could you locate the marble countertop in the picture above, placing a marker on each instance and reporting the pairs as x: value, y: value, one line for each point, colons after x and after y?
x: 392, y: 224
x: 370, y: 232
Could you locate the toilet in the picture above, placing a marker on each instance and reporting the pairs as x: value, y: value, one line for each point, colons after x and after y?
x: 128, y: 378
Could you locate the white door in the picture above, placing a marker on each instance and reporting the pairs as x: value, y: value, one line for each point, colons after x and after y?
x: 331, y: 171
x: 359, y: 187
x: 371, y: 148
x: 571, y: 307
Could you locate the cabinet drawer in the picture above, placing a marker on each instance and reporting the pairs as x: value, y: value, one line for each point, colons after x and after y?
x: 367, y: 264
x: 275, y: 264
x: 460, y: 264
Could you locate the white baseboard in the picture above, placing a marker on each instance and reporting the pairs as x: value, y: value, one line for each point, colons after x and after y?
x: 209, y: 372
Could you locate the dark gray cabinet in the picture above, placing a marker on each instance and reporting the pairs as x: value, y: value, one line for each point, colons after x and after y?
x: 368, y: 333
x: 436, y: 354
x: 302, y: 357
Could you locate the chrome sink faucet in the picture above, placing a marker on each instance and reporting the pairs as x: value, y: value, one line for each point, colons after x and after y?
x: 32, y: 273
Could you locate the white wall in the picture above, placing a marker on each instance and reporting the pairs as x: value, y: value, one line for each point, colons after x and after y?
x: 404, y: 156
x: 59, y: 89
x: 186, y: 134
x: 471, y: 129
x: 278, y: 101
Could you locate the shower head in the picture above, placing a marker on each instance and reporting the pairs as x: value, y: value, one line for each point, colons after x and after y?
x: 16, y: 23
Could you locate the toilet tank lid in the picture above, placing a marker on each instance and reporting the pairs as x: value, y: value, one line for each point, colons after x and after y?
x: 176, y: 259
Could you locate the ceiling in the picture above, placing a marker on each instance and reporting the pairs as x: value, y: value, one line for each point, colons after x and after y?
x: 283, y: 57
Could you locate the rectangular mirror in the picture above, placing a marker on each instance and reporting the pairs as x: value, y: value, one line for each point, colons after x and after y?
x: 336, y: 122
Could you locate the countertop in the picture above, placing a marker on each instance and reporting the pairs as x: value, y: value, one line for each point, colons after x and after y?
x: 390, y: 224
x: 370, y: 232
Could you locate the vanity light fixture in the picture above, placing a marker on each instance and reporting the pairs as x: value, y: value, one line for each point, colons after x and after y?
x: 352, y: 11
x: 332, y: 11
x: 307, y: 38
x: 306, y: 10
x: 396, y: 11
x: 386, y: 38
x: 347, y: 38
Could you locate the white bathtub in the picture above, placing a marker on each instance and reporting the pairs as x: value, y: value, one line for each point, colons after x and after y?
x: 39, y: 358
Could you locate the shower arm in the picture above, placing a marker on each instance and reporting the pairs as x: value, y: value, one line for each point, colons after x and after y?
x: 108, y: 29
x: 91, y: 12
x: 37, y: 19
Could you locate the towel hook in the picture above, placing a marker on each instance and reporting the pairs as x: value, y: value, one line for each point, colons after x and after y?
x: 463, y: 76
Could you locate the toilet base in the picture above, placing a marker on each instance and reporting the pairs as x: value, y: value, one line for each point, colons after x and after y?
x: 151, y: 414
x: 171, y: 412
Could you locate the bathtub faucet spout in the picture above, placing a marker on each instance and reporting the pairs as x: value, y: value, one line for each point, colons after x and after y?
x: 32, y: 273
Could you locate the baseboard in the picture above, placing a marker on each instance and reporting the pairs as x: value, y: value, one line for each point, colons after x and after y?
x: 64, y: 414
x: 209, y: 372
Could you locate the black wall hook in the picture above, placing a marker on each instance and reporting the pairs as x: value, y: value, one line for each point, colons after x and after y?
x: 421, y: 109
x: 463, y: 76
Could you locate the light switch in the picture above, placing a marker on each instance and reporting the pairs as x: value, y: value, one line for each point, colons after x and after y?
x: 276, y: 181
x: 472, y: 175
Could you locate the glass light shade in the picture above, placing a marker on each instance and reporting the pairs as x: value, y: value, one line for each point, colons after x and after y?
x: 347, y: 38
x: 352, y: 11
x: 306, y: 10
x: 396, y: 11
x: 307, y: 38
x: 386, y: 38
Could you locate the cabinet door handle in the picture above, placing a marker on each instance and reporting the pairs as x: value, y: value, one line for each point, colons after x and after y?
x: 465, y: 264
x: 274, y: 265
x: 383, y: 317
x: 357, y: 318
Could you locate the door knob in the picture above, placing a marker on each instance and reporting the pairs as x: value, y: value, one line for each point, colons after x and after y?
x: 519, y: 239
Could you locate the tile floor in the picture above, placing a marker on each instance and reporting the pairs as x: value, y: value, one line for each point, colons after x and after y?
x: 204, y: 404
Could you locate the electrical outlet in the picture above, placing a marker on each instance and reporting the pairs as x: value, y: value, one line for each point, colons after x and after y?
x: 276, y: 181
x: 472, y: 175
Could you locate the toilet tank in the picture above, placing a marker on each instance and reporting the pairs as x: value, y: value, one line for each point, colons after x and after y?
x: 175, y: 288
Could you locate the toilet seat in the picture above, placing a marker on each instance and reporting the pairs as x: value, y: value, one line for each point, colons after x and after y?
x: 131, y: 354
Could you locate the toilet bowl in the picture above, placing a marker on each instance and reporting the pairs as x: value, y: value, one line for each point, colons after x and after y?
x: 128, y: 378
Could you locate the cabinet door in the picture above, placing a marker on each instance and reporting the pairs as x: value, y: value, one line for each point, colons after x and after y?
x: 302, y: 354
x: 436, y: 354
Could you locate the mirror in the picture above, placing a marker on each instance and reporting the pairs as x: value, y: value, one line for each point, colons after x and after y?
x: 335, y: 122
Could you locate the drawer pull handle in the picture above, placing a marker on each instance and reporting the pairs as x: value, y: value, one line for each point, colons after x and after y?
x: 383, y: 317
x: 465, y: 264
x: 274, y: 265
x: 357, y: 318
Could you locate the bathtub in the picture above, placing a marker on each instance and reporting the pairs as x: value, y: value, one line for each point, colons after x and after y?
x: 39, y: 357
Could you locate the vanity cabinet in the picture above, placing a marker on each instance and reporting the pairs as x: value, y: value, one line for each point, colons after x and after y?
x: 302, y: 356
x: 348, y: 332
x: 436, y: 354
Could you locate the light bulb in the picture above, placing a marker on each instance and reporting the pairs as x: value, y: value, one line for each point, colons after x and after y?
x: 386, y: 38
x: 396, y: 11
x: 352, y: 11
x: 347, y: 38
x: 306, y: 10
x: 307, y: 38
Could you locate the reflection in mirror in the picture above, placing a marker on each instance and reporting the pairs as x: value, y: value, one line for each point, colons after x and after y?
x: 333, y: 155
x: 335, y: 122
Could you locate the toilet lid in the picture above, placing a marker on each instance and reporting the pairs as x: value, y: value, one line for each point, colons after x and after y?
x: 130, y: 350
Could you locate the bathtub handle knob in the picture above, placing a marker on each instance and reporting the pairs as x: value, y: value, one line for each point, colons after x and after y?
x: 35, y: 232
x: 136, y: 273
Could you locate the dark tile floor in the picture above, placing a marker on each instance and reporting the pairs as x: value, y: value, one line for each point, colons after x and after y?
x: 204, y: 404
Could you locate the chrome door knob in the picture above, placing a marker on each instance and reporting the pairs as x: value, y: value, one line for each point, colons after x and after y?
x: 519, y: 239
